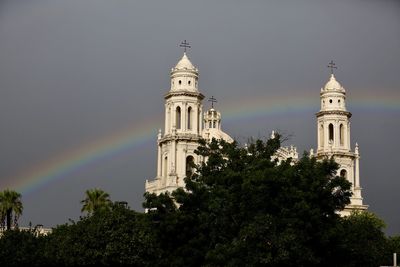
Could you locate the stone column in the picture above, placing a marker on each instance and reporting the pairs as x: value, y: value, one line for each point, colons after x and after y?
x: 184, y: 117
x: 159, y: 161
x: 357, y: 168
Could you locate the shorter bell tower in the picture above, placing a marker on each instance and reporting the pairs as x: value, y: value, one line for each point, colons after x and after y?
x: 333, y: 131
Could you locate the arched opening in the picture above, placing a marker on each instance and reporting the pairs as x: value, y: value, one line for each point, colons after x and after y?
x: 343, y: 173
x: 189, y: 166
x: 321, y: 135
x: 165, y: 165
x: 341, y: 134
x: 178, y: 118
x: 189, y: 118
x: 330, y: 132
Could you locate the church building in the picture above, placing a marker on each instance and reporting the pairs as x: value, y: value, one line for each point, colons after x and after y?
x: 186, y: 124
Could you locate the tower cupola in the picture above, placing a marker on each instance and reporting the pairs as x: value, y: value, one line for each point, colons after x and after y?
x: 212, y: 124
x: 184, y: 76
x: 333, y: 95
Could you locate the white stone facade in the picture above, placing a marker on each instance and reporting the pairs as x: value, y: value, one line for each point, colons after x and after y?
x: 185, y: 124
x: 184, y: 120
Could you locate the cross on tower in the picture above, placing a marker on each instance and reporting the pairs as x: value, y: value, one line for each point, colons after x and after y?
x: 212, y: 100
x: 185, y: 45
x: 332, y: 66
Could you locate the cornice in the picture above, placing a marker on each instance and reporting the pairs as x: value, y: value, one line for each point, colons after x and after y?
x: 179, y: 137
x: 184, y: 93
x: 333, y: 112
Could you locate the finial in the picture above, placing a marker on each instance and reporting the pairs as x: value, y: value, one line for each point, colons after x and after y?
x: 185, y: 45
x: 212, y: 100
x: 311, y: 153
x: 273, y: 135
x: 159, y: 134
x: 356, y: 149
x: 332, y: 66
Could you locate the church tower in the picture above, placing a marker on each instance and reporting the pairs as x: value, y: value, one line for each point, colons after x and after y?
x: 333, y: 122
x: 183, y: 129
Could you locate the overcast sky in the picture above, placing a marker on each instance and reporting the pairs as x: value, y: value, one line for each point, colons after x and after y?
x: 77, y: 75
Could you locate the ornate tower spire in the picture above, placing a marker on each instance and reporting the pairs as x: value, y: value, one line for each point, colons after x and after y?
x: 183, y: 128
x: 333, y: 130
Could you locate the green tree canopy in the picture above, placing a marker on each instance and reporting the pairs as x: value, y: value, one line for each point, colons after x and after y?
x: 244, y: 209
x: 114, y: 237
x: 10, y: 204
x: 22, y: 248
x: 95, y: 200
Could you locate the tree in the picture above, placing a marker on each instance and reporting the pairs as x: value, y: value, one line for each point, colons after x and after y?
x: 393, y: 246
x: 22, y: 248
x: 362, y: 241
x: 114, y: 237
x: 95, y: 200
x: 242, y: 208
x: 10, y: 204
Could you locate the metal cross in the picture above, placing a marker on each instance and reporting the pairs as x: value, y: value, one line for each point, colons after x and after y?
x: 212, y: 100
x: 332, y: 66
x: 185, y: 45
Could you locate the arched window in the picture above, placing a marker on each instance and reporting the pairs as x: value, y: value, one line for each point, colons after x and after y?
x: 178, y: 118
x: 189, y: 118
x: 321, y: 135
x: 331, y: 132
x: 343, y: 173
x: 165, y: 166
x: 189, y: 166
x: 341, y: 134
x: 199, y: 120
x: 210, y: 124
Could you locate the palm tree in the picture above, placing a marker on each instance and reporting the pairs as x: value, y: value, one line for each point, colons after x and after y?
x: 96, y: 199
x: 10, y: 203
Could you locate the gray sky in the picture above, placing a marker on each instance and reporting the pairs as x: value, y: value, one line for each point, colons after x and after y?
x: 75, y: 72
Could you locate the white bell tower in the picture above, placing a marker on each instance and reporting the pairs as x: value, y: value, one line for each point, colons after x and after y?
x: 183, y: 128
x: 333, y: 124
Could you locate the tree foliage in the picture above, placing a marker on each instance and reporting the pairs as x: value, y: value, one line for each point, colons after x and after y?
x: 10, y: 204
x: 115, y: 237
x: 21, y: 248
x: 95, y: 200
x: 241, y: 208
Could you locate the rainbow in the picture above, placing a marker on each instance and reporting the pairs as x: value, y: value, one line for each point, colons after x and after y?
x: 83, y: 156
x: 136, y: 136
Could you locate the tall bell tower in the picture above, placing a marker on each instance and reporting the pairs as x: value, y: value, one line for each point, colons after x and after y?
x: 182, y: 131
x: 333, y: 124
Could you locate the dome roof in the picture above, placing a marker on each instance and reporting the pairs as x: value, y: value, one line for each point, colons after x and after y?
x: 333, y: 84
x: 184, y: 64
x: 218, y: 134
